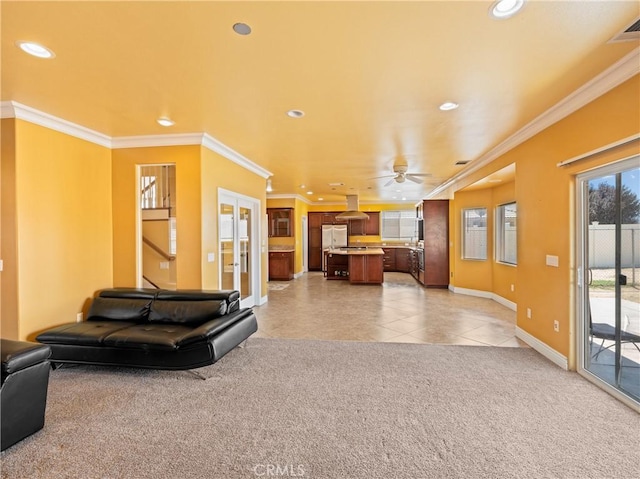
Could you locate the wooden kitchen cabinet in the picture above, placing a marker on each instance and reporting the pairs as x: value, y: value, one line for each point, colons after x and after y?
x: 403, y: 260
x: 281, y: 265
x: 389, y: 259
x: 436, y: 243
x: 366, y: 269
x: 280, y: 222
x: 370, y: 226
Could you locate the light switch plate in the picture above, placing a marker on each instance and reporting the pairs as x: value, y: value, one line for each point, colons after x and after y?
x: 552, y: 260
x: 211, y: 257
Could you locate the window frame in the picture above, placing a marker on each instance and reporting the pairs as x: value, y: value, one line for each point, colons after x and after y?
x: 500, y: 234
x: 464, y: 235
x: 407, y: 215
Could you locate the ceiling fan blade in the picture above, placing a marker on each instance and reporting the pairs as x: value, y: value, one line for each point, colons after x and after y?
x: 419, y: 174
x: 390, y: 181
x: 385, y: 176
x: 413, y: 178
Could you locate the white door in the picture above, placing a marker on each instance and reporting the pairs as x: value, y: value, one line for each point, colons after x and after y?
x: 239, y: 242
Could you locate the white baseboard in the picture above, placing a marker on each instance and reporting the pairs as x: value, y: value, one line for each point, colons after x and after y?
x: 263, y: 300
x: 485, y: 294
x: 298, y: 275
x: 544, y: 349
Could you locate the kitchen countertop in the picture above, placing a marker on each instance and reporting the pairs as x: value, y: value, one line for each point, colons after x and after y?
x: 282, y: 250
x: 357, y: 251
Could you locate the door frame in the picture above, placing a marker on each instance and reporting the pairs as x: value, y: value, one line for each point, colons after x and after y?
x: 581, y: 286
x: 232, y: 197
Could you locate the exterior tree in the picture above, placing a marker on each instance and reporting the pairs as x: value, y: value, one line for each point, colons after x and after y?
x: 602, y: 205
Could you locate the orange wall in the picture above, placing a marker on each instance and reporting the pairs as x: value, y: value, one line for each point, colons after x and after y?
x: 62, y: 224
x: 545, y: 197
x: 125, y: 210
x: 218, y: 172
x: 9, y: 325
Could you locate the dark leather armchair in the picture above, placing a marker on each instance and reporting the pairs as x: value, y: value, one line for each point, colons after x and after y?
x: 23, y: 395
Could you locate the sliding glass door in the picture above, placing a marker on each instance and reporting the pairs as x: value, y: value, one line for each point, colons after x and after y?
x: 609, y: 277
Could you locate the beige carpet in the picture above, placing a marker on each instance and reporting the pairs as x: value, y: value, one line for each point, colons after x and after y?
x: 330, y: 409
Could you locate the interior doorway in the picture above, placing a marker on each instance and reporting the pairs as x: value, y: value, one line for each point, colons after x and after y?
x: 609, y: 277
x: 157, y: 240
x: 239, y: 243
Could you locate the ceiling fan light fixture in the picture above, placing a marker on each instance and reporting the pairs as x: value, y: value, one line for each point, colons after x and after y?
x: 295, y: 113
x: 502, y: 9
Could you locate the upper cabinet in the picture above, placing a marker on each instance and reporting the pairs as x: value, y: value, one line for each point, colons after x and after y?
x: 366, y: 227
x: 280, y: 222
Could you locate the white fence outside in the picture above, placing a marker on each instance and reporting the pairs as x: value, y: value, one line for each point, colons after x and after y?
x: 602, y: 246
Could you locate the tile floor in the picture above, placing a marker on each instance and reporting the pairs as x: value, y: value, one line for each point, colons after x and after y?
x: 312, y: 307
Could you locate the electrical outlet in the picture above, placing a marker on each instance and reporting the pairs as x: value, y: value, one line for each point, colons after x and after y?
x: 79, y: 317
x: 529, y: 313
x: 513, y: 288
x: 556, y: 326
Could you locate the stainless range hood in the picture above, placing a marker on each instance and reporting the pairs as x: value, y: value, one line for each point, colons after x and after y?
x: 352, y: 212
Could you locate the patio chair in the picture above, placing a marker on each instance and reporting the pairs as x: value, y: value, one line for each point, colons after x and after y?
x: 606, y: 332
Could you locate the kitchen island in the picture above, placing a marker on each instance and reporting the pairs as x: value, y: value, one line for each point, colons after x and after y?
x: 358, y: 265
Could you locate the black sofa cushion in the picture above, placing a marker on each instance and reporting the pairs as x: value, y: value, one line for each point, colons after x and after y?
x: 149, y: 336
x: 87, y: 333
x: 186, y: 312
x: 119, y: 309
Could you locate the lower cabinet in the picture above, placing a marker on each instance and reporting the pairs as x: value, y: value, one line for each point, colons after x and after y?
x: 281, y: 265
x: 366, y: 269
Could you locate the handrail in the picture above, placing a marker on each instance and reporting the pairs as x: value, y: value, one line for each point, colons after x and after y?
x: 157, y: 249
x: 150, y: 282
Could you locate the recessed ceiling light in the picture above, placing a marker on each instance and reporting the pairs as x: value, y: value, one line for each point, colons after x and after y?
x: 35, y: 49
x: 309, y: 192
x: 166, y: 121
x: 505, y: 8
x: 336, y: 184
x: 448, y: 105
x: 295, y: 113
x: 242, y: 29
x: 320, y: 199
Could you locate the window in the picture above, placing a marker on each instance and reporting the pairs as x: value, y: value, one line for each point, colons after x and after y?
x: 399, y: 225
x: 474, y: 233
x: 506, y: 216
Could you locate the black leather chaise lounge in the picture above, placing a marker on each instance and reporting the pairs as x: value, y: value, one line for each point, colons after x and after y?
x: 150, y: 328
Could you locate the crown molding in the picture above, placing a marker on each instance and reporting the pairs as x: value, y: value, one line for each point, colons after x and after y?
x: 147, y: 141
x: 230, y: 154
x: 284, y: 196
x: 13, y: 109
x: 624, y: 69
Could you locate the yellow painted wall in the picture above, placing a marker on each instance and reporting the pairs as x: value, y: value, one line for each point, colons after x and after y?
x: 545, y: 197
x: 125, y: 207
x: 471, y: 273
x: 9, y: 326
x: 63, y: 226
x: 218, y: 172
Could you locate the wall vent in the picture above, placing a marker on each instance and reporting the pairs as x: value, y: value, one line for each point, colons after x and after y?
x: 461, y: 162
x: 632, y: 32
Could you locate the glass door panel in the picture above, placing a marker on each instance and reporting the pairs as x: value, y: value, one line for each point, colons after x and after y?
x: 227, y: 253
x: 245, y: 252
x: 611, y: 280
x: 239, y: 246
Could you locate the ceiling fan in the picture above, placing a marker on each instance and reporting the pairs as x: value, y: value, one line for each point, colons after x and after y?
x: 401, y: 175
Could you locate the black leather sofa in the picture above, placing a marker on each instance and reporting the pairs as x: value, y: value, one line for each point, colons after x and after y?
x: 23, y: 396
x: 150, y: 328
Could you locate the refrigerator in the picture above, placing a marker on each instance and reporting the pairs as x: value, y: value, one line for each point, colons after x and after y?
x: 333, y: 236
